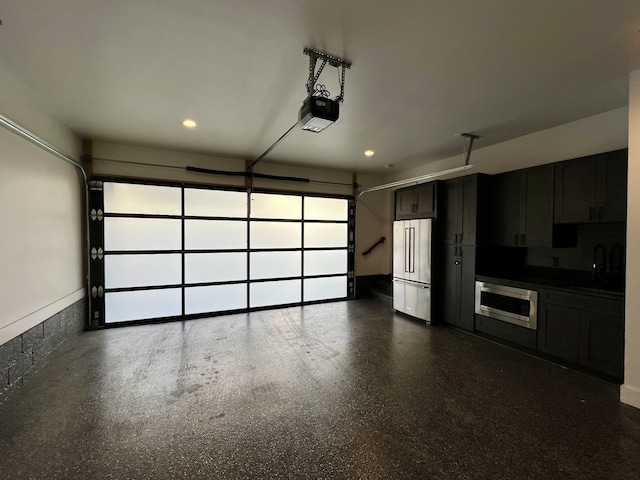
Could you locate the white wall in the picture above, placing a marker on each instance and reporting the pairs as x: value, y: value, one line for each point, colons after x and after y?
x: 105, y: 152
x: 600, y: 133
x: 374, y: 220
x: 630, y: 390
x: 41, y: 245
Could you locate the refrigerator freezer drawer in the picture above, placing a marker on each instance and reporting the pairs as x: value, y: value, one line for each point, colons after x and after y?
x: 412, y: 298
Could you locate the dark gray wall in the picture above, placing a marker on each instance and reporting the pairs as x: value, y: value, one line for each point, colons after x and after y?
x: 24, y: 355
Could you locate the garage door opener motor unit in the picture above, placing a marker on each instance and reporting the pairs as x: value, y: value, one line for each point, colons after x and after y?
x: 318, y: 111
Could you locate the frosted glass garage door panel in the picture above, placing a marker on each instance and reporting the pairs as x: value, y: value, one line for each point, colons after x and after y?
x: 142, y: 234
x: 215, y: 267
x: 325, y: 288
x: 326, y: 209
x: 275, y: 264
x: 266, y: 205
x: 215, y: 234
x: 218, y: 298
x: 142, y: 305
x: 264, y: 294
x: 214, y: 203
x: 326, y: 262
x: 122, y: 271
x: 276, y: 234
x: 325, y: 235
x: 148, y: 199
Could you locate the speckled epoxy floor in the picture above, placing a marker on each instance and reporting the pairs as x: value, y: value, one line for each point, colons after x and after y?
x: 341, y: 390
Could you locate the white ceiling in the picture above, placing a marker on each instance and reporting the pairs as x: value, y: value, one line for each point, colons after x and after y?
x: 130, y: 71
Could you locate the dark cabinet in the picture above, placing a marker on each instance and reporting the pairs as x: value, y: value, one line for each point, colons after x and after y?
x: 611, y: 187
x: 582, y: 329
x: 461, y: 217
x: 416, y: 202
x: 601, y: 343
x: 458, y: 285
x: 462, y: 210
x: 591, y: 189
x: 522, y: 208
x: 558, y: 331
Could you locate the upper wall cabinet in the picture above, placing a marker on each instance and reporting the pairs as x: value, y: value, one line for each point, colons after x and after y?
x: 522, y: 208
x: 592, y: 189
x: 416, y: 202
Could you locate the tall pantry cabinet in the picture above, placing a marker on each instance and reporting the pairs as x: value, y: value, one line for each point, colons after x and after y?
x: 460, y: 209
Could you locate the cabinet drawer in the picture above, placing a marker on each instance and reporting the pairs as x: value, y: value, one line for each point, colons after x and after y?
x: 607, y: 306
x: 506, y: 331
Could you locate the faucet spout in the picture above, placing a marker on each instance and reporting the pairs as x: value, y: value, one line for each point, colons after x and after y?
x: 599, y: 267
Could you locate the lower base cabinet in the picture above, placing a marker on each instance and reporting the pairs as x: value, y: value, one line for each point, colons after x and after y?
x: 602, y: 343
x: 458, y: 281
x: 584, y: 330
x: 558, y: 331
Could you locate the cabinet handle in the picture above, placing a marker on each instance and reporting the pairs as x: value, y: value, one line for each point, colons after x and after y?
x: 515, y: 239
x: 523, y: 237
x: 457, y: 262
x: 600, y: 211
x: 591, y: 211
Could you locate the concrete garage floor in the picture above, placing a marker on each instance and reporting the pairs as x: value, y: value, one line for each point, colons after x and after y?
x: 341, y: 390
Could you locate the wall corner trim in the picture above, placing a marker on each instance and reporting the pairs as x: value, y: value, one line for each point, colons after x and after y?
x: 23, y: 324
x: 630, y: 395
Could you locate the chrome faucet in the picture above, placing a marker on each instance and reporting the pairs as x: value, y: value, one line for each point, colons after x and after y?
x: 599, y: 267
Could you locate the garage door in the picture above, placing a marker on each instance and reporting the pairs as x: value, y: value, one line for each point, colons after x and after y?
x: 174, y: 251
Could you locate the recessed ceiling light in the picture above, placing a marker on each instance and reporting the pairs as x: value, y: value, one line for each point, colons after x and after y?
x: 369, y: 153
x: 189, y: 123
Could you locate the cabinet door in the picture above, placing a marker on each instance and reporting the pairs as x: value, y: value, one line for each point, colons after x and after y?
x: 452, y: 209
x: 612, y: 186
x: 450, y: 288
x: 536, y: 227
x: 405, y: 204
x: 425, y: 201
x: 575, y: 191
x: 467, y: 287
x: 558, y: 331
x: 468, y: 211
x: 601, y: 343
x: 505, y: 218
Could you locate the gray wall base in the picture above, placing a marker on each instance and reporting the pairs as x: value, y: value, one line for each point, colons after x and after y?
x: 22, y: 356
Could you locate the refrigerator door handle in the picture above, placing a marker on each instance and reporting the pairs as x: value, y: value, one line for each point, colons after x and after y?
x: 412, y: 250
x: 410, y: 282
x: 406, y: 250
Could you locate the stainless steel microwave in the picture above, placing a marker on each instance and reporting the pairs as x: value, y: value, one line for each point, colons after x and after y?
x: 508, y: 304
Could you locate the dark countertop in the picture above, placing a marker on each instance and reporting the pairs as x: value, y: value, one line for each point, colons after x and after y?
x: 571, y: 285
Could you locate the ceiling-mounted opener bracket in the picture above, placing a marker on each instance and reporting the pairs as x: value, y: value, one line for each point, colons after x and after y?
x: 467, y: 145
x: 333, y: 61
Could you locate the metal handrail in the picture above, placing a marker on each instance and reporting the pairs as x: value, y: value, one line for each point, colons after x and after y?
x: 370, y: 249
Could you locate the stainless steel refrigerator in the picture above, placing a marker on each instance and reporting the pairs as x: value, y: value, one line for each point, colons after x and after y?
x: 412, y: 267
